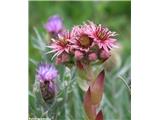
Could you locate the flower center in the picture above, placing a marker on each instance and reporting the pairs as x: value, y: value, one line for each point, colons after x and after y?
x: 63, y: 42
x: 85, y: 41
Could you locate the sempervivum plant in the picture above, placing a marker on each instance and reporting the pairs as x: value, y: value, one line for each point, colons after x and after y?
x: 83, y: 46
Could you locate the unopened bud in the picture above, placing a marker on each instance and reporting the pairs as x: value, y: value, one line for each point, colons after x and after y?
x: 92, y: 56
x: 78, y: 55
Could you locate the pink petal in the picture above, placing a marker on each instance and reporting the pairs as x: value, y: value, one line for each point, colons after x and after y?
x: 105, y: 48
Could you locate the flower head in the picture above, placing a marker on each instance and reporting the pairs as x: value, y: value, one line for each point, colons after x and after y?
x: 54, y: 24
x: 81, y: 40
x: 46, y: 72
x: 101, y: 35
x: 61, y: 45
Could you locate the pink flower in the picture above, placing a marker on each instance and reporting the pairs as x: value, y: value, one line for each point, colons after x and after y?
x: 87, y: 42
x: 61, y: 45
x: 81, y: 41
x: 102, y: 36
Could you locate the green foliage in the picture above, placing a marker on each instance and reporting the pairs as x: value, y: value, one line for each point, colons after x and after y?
x: 68, y: 104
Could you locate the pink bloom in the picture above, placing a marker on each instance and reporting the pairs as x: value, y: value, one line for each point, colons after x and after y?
x: 102, y: 36
x: 61, y: 45
x: 78, y: 55
x: 92, y: 56
x: 81, y: 41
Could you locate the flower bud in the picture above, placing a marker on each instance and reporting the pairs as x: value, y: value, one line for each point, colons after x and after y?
x: 104, y: 55
x: 78, y: 55
x: 92, y: 56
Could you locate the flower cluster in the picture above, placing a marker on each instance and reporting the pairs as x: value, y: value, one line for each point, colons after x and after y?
x: 86, y: 43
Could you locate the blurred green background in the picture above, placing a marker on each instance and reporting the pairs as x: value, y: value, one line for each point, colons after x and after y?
x: 116, y: 15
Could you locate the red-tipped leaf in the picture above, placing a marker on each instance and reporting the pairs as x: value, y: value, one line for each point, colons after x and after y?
x: 97, y: 88
x: 89, y: 109
x: 99, y: 116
